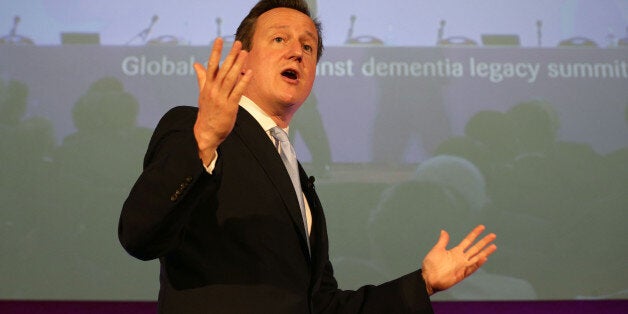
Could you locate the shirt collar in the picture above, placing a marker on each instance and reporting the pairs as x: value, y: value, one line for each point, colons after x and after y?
x: 260, y: 116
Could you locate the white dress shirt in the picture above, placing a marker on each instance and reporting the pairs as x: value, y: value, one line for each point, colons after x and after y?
x: 267, y: 123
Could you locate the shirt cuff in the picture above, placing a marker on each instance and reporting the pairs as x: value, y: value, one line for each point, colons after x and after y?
x: 210, y: 168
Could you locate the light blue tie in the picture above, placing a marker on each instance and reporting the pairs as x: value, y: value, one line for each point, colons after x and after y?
x: 289, y: 158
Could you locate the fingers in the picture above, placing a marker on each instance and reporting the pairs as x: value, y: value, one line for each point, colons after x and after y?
x: 214, y: 58
x: 487, y: 251
x: 213, y: 62
x: 478, y: 254
x: 235, y: 73
x: 218, y: 81
x: 470, y: 238
x: 241, y: 86
x: 200, y: 75
x: 232, y: 65
x: 443, y: 240
x: 214, y: 71
x: 483, y: 248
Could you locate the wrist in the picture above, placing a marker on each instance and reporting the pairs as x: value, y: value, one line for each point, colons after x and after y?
x: 428, y: 286
x: 207, y: 156
x: 206, y: 145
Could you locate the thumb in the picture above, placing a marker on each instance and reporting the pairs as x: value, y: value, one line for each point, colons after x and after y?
x: 200, y: 75
x: 443, y: 240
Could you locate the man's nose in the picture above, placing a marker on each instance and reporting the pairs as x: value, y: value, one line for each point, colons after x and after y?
x: 296, y: 51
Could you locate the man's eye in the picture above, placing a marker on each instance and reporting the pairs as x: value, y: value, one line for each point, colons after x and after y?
x: 278, y: 39
x: 308, y: 48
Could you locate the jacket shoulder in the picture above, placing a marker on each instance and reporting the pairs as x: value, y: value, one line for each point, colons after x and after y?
x: 179, y: 116
x: 178, y: 120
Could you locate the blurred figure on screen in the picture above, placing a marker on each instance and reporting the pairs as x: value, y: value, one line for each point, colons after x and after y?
x: 309, y: 124
x: 93, y: 167
x: 26, y: 143
x: 411, y: 119
x: 106, y: 121
x: 443, y: 187
x: 552, y: 189
x: 26, y: 146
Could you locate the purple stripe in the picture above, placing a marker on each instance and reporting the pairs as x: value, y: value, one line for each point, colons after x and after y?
x: 533, y: 307
x: 76, y: 307
x: 513, y: 307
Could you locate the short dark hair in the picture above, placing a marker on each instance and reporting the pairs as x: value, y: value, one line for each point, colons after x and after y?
x: 247, y: 26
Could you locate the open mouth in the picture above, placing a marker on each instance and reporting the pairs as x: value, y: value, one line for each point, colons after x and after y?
x: 291, y: 74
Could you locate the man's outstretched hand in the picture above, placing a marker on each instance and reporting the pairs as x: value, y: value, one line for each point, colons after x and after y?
x: 444, y: 268
x: 220, y: 90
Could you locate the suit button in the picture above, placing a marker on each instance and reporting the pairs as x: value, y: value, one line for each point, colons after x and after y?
x: 176, y: 195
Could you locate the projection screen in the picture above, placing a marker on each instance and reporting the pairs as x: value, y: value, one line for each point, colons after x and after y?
x: 426, y: 115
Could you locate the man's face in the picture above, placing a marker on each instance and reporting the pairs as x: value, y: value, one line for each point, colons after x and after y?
x: 283, y: 60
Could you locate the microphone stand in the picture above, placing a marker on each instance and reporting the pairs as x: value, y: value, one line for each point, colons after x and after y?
x: 13, y: 37
x: 144, y: 33
x: 350, y: 31
x: 539, y: 32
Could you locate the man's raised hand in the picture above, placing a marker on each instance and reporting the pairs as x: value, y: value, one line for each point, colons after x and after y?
x: 220, y: 90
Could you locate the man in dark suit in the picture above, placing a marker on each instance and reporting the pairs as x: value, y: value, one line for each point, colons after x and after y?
x: 217, y: 206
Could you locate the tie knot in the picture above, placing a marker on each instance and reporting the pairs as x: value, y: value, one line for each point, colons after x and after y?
x: 279, y: 134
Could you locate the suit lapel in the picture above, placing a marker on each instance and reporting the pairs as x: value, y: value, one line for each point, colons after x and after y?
x: 318, y: 236
x: 260, y: 145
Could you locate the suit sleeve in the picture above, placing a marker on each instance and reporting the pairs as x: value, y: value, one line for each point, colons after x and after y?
x: 406, y: 294
x: 159, y: 204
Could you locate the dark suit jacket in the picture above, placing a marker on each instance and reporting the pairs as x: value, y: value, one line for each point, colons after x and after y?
x: 234, y: 241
